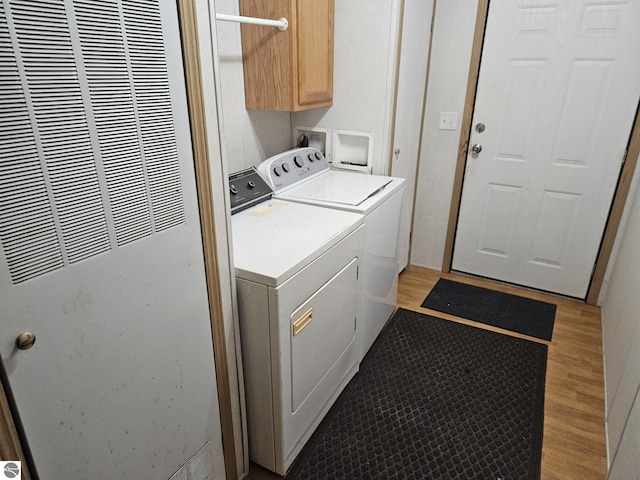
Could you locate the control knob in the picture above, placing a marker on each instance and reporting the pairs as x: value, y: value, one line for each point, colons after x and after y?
x: 298, y: 161
x: 276, y: 170
x: 318, y: 156
x: 251, y: 184
x: 234, y: 190
x: 285, y: 167
x: 312, y: 157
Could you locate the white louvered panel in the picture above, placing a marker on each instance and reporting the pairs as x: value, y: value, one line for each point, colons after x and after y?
x: 27, y: 229
x: 180, y: 474
x: 151, y: 83
x: 104, y: 55
x: 200, y: 466
x: 49, y: 65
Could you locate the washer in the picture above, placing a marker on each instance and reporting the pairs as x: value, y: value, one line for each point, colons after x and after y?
x: 303, y: 175
x: 298, y: 287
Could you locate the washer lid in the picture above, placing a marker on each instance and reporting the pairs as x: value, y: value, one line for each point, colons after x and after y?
x: 275, y: 240
x: 343, y: 188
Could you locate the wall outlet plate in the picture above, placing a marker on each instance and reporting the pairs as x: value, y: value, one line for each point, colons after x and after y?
x: 319, y: 138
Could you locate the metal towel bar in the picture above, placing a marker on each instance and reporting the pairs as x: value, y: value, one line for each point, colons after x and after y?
x: 281, y: 23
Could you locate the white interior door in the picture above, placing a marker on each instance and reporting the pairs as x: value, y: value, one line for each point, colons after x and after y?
x: 414, y: 55
x: 101, y: 252
x: 557, y: 93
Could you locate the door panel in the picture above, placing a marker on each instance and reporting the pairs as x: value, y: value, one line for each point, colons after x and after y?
x: 414, y: 55
x: 555, y: 227
x: 500, y: 214
x: 315, y: 51
x: 557, y: 91
x: 100, y: 243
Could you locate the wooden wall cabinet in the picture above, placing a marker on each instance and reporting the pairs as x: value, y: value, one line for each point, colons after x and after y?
x: 290, y: 70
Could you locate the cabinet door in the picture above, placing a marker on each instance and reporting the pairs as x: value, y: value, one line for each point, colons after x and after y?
x: 314, y: 53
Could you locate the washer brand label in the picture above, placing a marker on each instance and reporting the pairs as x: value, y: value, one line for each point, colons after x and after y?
x: 11, y: 470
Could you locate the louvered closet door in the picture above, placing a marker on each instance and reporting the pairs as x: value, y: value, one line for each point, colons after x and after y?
x: 100, y: 247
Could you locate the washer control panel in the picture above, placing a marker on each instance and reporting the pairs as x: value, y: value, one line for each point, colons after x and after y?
x: 290, y: 167
x: 246, y: 189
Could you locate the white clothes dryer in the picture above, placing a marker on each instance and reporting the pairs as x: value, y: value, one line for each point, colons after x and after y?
x: 303, y: 175
x: 298, y: 286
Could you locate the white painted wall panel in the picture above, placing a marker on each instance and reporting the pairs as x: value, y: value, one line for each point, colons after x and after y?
x: 450, y: 56
x: 626, y: 464
x: 250, y: 136
x: 363, y: 83
x: 621, y: 330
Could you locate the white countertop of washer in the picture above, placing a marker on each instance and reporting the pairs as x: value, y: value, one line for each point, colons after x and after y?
x: 276, y: 239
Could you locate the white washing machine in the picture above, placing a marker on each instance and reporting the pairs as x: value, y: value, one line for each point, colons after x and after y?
x: 303, y: 175
x: 297, y: 274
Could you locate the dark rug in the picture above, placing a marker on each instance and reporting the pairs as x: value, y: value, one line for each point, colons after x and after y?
x: 435, y: 399
x: 502, y: 310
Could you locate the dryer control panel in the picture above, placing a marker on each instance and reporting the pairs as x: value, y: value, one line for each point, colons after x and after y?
x: 246, y: 189
x: 292, y: 166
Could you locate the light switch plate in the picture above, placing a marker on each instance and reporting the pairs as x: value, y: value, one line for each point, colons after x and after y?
x: 448, y: 121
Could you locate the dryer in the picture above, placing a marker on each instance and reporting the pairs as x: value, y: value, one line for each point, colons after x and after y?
x: 303, y: 175
x: 298, y: 287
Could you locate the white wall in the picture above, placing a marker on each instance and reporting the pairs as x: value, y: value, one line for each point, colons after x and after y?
x: 621, y: 329
x: 250, y: 136
x: 365, y: 44
x: 626, y: 464
x: 364, y: 58
x: 450, y: 56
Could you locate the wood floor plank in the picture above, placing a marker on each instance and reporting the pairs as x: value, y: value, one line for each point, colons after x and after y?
x: 574, y: 445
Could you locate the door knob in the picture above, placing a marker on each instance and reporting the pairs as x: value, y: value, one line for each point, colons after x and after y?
x: 476, y: 148
x: 25, y: 341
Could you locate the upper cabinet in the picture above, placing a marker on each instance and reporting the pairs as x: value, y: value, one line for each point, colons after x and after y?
x: 290, y: 70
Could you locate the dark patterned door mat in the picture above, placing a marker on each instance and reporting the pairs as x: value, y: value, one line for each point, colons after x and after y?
x: 502, y: 310
x: 435, y: 399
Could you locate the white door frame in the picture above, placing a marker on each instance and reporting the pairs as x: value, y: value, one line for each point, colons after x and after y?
x: 11, y: 447
x: 619, y: 198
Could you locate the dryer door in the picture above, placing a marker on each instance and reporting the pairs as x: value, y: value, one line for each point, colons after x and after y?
x: 322, y: 329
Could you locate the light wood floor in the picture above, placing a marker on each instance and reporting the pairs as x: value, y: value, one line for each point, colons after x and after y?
x: 574, y: 437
